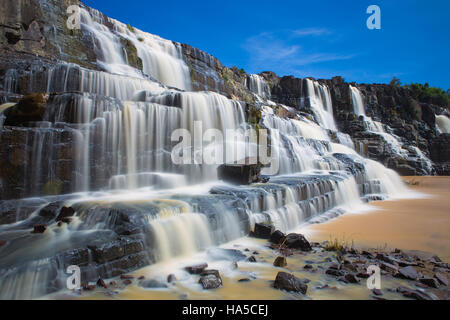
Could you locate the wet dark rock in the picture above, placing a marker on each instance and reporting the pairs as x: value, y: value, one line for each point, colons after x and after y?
x: 277, y: 237
x: 196, y: 269
x: 413, y: 294
x: 244, y: 280
x: 288, y: 282
x: 127, y: 282
x: 30, y: 108
x: 280, y: 262
x: 40, y: 228
x: 239, y: 174
x: 126, y: 277
x: 335, y: 272
x: 351, y: 278
x: 110, y: 251
x: 66, y: 212
x: 377, y: 292
x: 262, y: 231
x: 152, y: 284
x: 442, y: 278
x: 297, y: 241
x: 435, y: 259
x: 89, y: 287
x: 101, y: 283
x: 430, y: 282
x: 211, y: 280
x: 363, y: 275
x: 308, y: 267
x: 141, y: 278
x: 251, y: 259
x: 171, y: 278
x: 50, y: 211
x: 390, y: 268
x: 408, y: 273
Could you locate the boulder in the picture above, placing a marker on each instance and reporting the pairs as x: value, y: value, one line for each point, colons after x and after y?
x: 351, y: 278
x: 196, y: 269
x: 262, y: 231
x: 210, y: 280
x: 280, y: 262
x: 408, y: 273
x: 297, y: 241
x: 413, y: 294
x: 65, y: 213
x: 240, y: 174
x: 430, y: 282
x: 40, y: 228
x: 101, y: 283
x: 171, y: 278
x: 277, y: 237
x: 288, y: 282
x: 442, y: 278
x: 30, y: 108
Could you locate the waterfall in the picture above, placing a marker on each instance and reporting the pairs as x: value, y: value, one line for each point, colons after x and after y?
x: 105, y: 149
x: 443, y: 124
x: 320, y: 102
x: 161, y: 59
x: 358, y: 104
x: 256, y: 84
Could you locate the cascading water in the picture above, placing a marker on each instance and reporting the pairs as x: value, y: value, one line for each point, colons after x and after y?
x: 320, y: 102
x: 104, y: 149
x: 256, y: 84
x: 377, y: 127
x: 443, y: 124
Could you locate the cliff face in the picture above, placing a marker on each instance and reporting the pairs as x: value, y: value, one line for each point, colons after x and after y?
x: 39, y: 54
x: 411, y: 120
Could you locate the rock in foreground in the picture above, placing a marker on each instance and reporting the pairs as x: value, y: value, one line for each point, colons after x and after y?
x: 288, y: 282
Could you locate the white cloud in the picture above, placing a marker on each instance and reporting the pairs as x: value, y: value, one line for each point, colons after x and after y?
x: 310, y: 32
x: 269, y: 51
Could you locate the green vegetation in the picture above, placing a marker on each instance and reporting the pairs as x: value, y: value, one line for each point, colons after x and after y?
x: 395, y: 82
x: 425, y: 93
x: 130, y: 28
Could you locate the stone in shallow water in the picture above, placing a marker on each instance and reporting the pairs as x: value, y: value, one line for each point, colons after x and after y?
x: 65, y: 213
x: 196, y: 269
x: 408, y: 273
x: 40, y: 228
x: 262, y: 231
x: 210, y: 279
x: 430, y: 282
x: 297, y: 241
x: 239, y: 174
x: 280, y: 262
x: 277, y: 237
x: 288, y: 282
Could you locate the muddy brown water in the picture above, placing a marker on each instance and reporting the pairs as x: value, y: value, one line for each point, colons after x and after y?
x: 410, y: 224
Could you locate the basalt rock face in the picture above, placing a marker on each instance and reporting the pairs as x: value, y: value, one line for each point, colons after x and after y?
x: 412, y: 121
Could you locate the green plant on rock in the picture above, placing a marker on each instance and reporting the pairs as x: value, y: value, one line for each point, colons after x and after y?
x: 427, y: 94
x: 129, y: 27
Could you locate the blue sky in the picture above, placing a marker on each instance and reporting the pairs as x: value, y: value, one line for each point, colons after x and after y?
x: 306, y: 38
